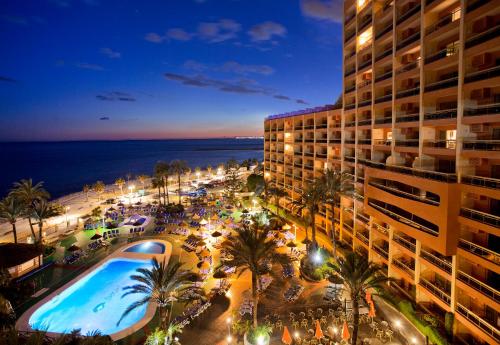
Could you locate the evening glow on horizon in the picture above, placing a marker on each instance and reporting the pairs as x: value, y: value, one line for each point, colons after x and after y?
x: 96, y: 69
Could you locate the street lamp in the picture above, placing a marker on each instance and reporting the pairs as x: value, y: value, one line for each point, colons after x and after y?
x: 66, y: 209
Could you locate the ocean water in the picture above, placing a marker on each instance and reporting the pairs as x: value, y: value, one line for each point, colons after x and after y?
x: 66, y: 166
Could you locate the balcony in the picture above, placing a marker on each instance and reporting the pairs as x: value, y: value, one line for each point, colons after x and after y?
x: 364, y: 83
x: 486, y: 109
x: 381, y: 251
x: 349, y: 36
x: 308, y: 167
x: 479, y: 286
x: 364, y: 141
x: 364, y: 64
x: 404, y: 242
x: 362, y: 237
x: 321, y: 125
x: 477, y: 250
x: 335, y: 140
x: 350, y: 106
x: 321, y: 155
x: 442, y: 84
x: 384, y: 98
x: 383, y: 142
x: 408, y: 118
x: 350, y: 88
x: 481, y: 145
x: 410, y: 12
x: 408, y: 92
x: 408, y: 40
x: 383, y: 31
x: 298, y: 141
x: 483, y: 74
x: 442, y: 22
x: 448, y: 51
x: 407, y: 67
x: 412, y: 194
x: 436, y: 261
x: 472, y: 5
x: 481, y: 217
x: 483, y: 37
x: 383, y: 76
x: 404, y: 266
x: 441, y: 114
x: 349, y: 72
x: 480, y: 181
x: 441, y: 144
x: 364, y: 22
x: 298, y: 127
x: 383, y: 120
x: 350, y: 159
x: 364, y: 103
x: 365, y: 122
x: 407, y: 143
x: 479, y: 322
x: 433, y: 289
x: 382, y: 55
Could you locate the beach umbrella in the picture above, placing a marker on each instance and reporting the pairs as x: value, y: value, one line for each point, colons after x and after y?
x: 286, y: 227
x: 216, y: 234
x: 291, y: 244
x: 120, y: 204
x: 196, y: 216
x: 286, y: 338
x: 95, y: 237
x: 203, y: 222
x: 345, y: 332
x: 111, y: 209
x: 228, y: 221
x: 201, y: 244
x: 245, y: 211
x: 73, y: 248
x: 215, y: 217
x: 318, y: 334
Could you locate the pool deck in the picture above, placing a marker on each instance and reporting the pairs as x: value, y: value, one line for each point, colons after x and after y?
x: 22, y: 323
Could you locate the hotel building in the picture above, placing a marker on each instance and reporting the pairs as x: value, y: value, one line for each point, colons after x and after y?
x: 419, y: 131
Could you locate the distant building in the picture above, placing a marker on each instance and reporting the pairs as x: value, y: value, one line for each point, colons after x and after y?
x: 19, y: 259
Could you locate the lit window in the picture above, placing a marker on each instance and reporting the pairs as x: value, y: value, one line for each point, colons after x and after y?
x: 389, y: 136
x: 361, y: 4
x: 451, y: 138
x: 455, y: 15
x: 364, y: 38
x: 287, y: 135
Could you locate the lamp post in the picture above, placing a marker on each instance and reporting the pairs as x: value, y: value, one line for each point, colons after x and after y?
x: 66, y: 209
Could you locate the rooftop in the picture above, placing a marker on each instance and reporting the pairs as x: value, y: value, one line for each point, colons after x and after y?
x: 12, y: 254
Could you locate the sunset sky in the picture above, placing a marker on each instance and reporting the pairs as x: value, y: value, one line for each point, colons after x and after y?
x: 124, y: 69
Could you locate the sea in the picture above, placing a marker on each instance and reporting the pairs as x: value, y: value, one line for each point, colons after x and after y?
x: 65, y: 167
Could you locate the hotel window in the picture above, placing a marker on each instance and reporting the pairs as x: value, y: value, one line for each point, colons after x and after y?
x: 361, y: 4
x: 455, y: 15
x: 389, y: 136
x: 364, y: 38
x: 451, y: 138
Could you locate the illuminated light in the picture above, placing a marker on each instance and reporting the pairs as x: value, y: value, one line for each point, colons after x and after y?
x: 397, y: 323
x: 228, y: 294
x: 287, y: 147
x: 317, y: 257
x: 228, y: 320
x: 287, y: 135
x: 335, y: 330
x: 413, y: 340
x: 176, y: 339
x: 361, y: 4
x: 229, y: 339
x: 364, y: 38
x: 296, y: 334
x: 260, y: 340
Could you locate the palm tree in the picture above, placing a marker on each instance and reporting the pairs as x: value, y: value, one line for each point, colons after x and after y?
x: 162, y: 284
x: 120, y: 183
x: 86, y: 189
x: 28, y: 192
x: 209, y: 170
x: 163, y: 170
x: 335, y: 183
x: 358, y: 275
x: 277, y: 194
x: 310, y: 198
x: 43, y: 210
x: 179, y: 167
x: 252, y: 250
x: 142, y: 179
x: 157, y: 183
x: 99, y: 187
x: 11, y: 209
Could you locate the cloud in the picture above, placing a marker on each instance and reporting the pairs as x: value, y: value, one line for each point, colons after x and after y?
x: 235, y: 67
x: 111, y: 53
x: 116, y: 96
x: 285, y: 98
x: 220, y: 31
x: 328, y: 10
x: 154, y: 37
x: 93, y: 67
x: 104, y: 118
x: 300, y: 101
x: 194, y: 65
x: 7, y: 79
x: 266, y: 31
x: 178, y: 34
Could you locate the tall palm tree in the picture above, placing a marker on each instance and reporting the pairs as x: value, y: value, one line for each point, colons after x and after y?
x: 28, y: 193
x: 163, y: 170
x: 86, y: 189
x: 277, y: 194
x: 358, y: 275
x: 99, y: 188
x: 252, y: 250
x: 157, y: 183
x: 179, y: 167
x: 162, y: 284
x: 310, y: 199
x: 335, y: 183
x: 120, y: 183
x: 142, y: 179
x: 43, y: 210
x: 11, y: 209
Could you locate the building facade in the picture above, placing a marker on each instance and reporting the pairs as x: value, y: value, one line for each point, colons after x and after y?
x: 419, y: 131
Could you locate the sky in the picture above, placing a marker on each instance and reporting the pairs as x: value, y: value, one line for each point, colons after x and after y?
x: 158, y: 69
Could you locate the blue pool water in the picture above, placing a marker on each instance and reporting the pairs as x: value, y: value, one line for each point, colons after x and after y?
x: 94, y: 302
x: 149, y: 247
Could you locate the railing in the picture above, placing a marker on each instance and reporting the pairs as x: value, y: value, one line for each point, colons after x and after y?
x: 487, y: 109
x: 347, y: 226
x: 350, y: 106
x: 442, y: 144
x: 349, y: 18
x: 349, y: 55
x: 405, y: 243
x: 385, y: 142
x: 365, y: 103
x: 365, y: 64
x: 349, y: 89
x: 481, y: 145
x: 298, y: 140
x: 404, y: 267
x: 310, y: 126
x: 384, y: 98
x: 442, y: 84
x: 380, y: 250
x: 483, y: 252
x: 427, y: 174
x: 399, y: 192
x: 441, y: 114
x: 385, y: 30
x: 322, y: 125
x: 384, y: 76
x: 350, y: 159
x: 480, y: 181
x: 481, y: 217
x: 350, y: 124
x: 321, y: 155
x: 408, y: 14
x: 381, y: 228
x: 364, y: 141
x: 407, y: 67
x: 364, y: 219
x: 364, y: 122
x: 322, y: 141
x: 362, y: 237
x: 408, y: 40
x: 479, y: 322
x: 479, y: 286
x: 483, y: 37
x: 297, y: 152
x: 448, y: 51
x: 383, y: 54
x: 349, y: 72
x: 349, y: 35
x: 407, y: 143
x: 299, y: 128
x: 443, y: 21
x: 472, y: 5
x: 335, y: 140
x: 364, y: 83
x: 442, y: 295
x: 365, y: 22
x: 436, y: 261
x: 382, y: 120
x: 409, y: 92
x: 308, y: 167
x: 408, y: 118
x: 483, y: 74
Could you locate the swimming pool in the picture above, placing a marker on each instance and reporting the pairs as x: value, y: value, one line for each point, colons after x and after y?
x: 94, y: 302
x: 149, y: 247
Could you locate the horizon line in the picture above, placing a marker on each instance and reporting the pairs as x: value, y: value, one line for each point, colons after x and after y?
x: 135, y: 139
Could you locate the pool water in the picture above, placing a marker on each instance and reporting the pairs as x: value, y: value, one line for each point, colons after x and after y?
x: 93, y: 303
x: 149, y: 247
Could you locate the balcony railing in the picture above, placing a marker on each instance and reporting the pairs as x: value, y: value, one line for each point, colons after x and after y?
x: 350, y: 159
x: 441, y: 144
x: 382, y: 252
x: 442, y: 84
x: 409, y: 92
x: 441, y: 114
x: 350, y: 88
x: 408, y: 40
x: 365, y: 64
x: 384, y: 76
x: 427, y: 174
x: 432, y: 288
x: 402, y: 17
x: 364, y: 83
x: 404, y: 242
x: 408, y: 118
x: 483, y: 74
x: 349, y: 72
x: 483, y: 37
x: 384, y: 98
x: 322, y: 141
x: 448, y: 51
x: 382, y: 55
x: 382, y: 120
x: 383, y: 31
x: 478, y: 250
x: 486, y: 109
x: 362, y: 237
x: 480, y: 181
x: 299, y: 127
x: 335, y: 140
x: 472, y: 5
x: 350, y: 106
x: 481, y: 217
x: 479, y: 322
x: 413, y: 195
x: 407, y: 143
x: 364, y: 122
x: 365, y: 103
x: 385, y: 142
x: 481, y: 145
x: 349, y: 35
x: 404, y: 266
x: 365, y: 21
x: 479, y: 286
x: 443, y: 21
x: 381, y: 228
x: 364, y: 141
x: 436, y: 261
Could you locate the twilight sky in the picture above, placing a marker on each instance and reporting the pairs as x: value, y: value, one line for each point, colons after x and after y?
x: 129, y: 69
